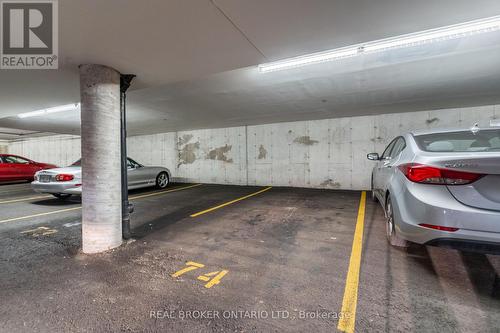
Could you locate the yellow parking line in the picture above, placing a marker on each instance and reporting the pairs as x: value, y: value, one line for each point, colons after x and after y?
x: 25, y: 199
x: 40, y: 214
x: 348, y: 319
x: 229, y: 203
x: 79, y: 207
x: 162, y: 192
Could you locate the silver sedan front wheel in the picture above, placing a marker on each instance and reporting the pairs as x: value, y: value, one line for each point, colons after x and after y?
x: 374, y: 197
x: 162, y: 180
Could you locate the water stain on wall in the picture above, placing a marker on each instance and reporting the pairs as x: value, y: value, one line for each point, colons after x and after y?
x: 187, y: 154
x: 377, y: 139
x: 330, y: 183
x: 432, y: 120
x: 305, y: 140
x: 185, y: 139
x: 219, y: 154
x: 262, y: 153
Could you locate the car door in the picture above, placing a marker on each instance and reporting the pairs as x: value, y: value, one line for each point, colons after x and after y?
x: 137, y: 174
x: 379, y: 170
x: 18, y: 167
x: 4, y: 171
x: 131, y: 174
x: 30, y: 167
x: 386, y: 168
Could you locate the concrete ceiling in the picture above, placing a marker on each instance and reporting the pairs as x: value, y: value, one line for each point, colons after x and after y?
x: 176, y: 47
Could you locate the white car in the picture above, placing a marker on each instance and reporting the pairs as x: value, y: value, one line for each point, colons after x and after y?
x: 64, y: 182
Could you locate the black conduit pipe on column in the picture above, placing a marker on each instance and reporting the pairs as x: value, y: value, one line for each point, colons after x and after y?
x: 127, y: 208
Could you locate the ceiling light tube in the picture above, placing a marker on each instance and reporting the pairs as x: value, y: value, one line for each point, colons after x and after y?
x: 310, y: 59
x: 418, y: 38
x: 433, y: 35
x: 61, y: 108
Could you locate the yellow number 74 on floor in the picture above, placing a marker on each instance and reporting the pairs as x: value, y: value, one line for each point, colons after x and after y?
x: 212, y: 278
x: 191, y: 265
x: 217, y: 276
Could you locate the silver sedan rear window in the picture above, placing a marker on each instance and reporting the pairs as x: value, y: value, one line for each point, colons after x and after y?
x: 462, y: 141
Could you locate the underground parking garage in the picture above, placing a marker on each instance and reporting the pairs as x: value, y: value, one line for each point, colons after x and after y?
x: 250, y: 166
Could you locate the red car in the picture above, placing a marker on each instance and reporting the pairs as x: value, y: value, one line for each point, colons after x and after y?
x: 14, y: 168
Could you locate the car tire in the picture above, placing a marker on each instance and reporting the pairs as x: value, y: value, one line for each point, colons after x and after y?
x: 61, y: 195
x: 162, y: 180
x: 390, y: 228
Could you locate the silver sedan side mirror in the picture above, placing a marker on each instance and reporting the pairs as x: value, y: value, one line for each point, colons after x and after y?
x: 373, y: 157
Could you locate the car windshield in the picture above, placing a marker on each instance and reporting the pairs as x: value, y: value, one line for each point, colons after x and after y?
x: 460, y: 141
x: 130, y: 163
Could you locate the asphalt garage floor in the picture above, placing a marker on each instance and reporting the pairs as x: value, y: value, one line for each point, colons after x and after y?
x: 276, y: 261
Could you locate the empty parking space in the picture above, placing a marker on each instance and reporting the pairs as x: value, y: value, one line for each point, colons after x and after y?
x: 267, y: 243
x: 277, y: 260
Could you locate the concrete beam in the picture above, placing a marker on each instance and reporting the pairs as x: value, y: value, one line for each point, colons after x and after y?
x: 101, y: 178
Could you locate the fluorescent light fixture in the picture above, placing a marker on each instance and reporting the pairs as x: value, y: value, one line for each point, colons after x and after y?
x: 61, y: 108
x: 418, y: 38
x: 439, y: 34
x: 310, y: 59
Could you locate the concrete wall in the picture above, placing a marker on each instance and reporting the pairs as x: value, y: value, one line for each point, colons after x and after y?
x: 4, y: 147
x: 332, y: 153
x: 61, y: 150
x: 327, y: 153
x: 157, y: 149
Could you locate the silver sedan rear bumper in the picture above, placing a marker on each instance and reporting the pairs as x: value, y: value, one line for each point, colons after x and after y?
x: 55, y: 188
x: 427, y: 204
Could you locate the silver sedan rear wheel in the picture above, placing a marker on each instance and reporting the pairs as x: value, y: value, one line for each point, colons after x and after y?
x: 162, y: 180
x: 390, y: 228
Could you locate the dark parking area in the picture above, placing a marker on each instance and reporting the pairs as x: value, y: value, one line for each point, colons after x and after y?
x: 277, y: 260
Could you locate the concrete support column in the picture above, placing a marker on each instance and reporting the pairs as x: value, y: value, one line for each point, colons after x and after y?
x: 101, y: 176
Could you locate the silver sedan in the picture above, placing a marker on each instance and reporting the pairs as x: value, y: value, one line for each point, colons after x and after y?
x: 64, y: 182
x: 441, y: 188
